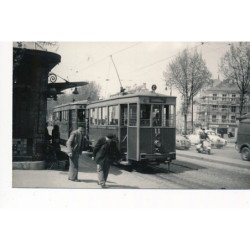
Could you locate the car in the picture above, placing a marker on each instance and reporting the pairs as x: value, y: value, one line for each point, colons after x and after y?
x: 194, y: 138
x: 182, y: 142
x: 243, y: 137
x: 216, y: 140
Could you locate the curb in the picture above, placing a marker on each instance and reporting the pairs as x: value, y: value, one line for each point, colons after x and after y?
x: 213, y: 160
x: 28, y: 165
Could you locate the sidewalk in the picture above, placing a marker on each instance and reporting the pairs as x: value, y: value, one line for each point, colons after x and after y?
x: 213, y: 158
x: 118, y: 178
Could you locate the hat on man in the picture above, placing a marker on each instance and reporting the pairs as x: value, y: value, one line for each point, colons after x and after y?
x: 111, y: 136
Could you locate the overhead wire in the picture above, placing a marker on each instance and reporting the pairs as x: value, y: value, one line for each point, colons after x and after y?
x: 108, y: 56
x: 164, y: 59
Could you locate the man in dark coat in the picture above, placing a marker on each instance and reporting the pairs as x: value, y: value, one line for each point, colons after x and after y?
x: 105, y: 153
x: 75, y: 145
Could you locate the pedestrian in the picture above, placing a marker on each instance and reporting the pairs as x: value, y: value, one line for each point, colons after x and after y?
x: 75, y: 145
x: 105, y: 153
x: 47, y: 135
x: 56, y: 138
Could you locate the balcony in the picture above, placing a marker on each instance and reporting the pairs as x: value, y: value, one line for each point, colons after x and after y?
x: 219, y: 100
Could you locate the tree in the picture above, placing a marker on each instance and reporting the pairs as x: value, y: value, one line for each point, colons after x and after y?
x: 235, y: 65
x: 188, y: 73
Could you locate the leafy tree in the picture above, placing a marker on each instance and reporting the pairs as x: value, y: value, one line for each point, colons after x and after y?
x: 235, y: 65
x: 188, y: 73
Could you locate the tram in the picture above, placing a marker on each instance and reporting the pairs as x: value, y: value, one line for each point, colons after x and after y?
x: 69, y: 117
x: 144, y: 124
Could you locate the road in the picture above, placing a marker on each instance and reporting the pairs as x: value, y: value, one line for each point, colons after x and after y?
x: 184, y: 173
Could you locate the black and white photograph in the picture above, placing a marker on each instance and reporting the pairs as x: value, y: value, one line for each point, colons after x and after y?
x: 131, y: 115
x: 125, y: 125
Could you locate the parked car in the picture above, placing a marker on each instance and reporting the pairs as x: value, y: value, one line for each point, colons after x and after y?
x: 182, y: 142
x: 243, y: 138
x: 215, y: 139
x: 194, y: 138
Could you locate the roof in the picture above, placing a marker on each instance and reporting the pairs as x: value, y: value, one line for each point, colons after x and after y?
x: 140, y: 94
x: 72, y: 103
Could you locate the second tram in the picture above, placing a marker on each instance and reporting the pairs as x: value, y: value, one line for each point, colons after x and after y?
x: 69, y: 117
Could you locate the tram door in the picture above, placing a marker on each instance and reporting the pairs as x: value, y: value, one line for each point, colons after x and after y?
x: 124, y: 128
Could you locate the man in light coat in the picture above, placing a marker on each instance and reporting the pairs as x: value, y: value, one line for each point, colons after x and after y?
x: 75, y: 146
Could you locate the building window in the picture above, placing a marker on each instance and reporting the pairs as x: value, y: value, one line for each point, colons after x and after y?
x: 215, y: 107
x: 214, y: 97
x: 233, y: 99
x: 233, y: 120
x: 223, y: 108
x: 224, y: 97
x: 233, y: 109
x: 224, y: 118
x: 213, y: 118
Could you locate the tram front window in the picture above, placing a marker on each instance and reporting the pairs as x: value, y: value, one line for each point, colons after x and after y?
x: 157, y: 115
x: 81, y: 115
x: 132, y: 114
x: 169, y: 116
x: 124, y: 115
x: 145, y: 115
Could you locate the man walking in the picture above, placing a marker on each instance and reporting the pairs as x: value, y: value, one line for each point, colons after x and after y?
x: 105, y: 153
x: 75, y: 145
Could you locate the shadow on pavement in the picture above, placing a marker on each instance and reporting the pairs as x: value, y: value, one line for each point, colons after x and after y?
x: 86, y: 165
x: 175, y: 167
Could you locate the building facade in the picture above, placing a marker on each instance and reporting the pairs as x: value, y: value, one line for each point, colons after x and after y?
x: 218, y: 108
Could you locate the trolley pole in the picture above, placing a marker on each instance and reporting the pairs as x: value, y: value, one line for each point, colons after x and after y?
x: 117, y: 73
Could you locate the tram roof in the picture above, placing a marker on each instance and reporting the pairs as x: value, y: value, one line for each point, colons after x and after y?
x: 72, y: 103
x: 141, y: 94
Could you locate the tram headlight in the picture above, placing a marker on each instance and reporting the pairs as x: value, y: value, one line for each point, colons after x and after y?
x: 157, y: 143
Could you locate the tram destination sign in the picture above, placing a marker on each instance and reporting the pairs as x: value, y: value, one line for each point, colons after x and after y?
x: 157, y: 100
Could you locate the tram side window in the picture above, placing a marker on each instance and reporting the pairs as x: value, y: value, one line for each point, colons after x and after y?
x: 157, y: 115
x: 81, y: 115
x: 113, y: 115
x: 56, y: 115
x: 145, y: 115
x: 124, y: 115
x: 93, y: 116
x: 169, y: 116
x: 104, y: 116
x: 60, y: 116
x: 132, y: 114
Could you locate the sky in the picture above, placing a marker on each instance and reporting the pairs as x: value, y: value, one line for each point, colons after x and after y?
x: 136, y: 62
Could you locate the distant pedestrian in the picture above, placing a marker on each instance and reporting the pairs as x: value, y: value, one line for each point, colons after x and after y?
x: 56, y: 138
x: 105, y: 153
x: 75, y: 145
